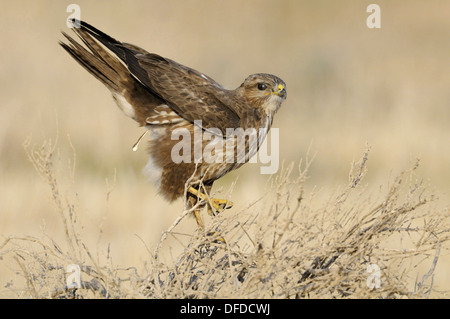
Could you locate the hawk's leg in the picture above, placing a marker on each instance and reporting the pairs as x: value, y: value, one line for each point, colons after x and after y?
x: 198, y: 218
x: 218, y: 204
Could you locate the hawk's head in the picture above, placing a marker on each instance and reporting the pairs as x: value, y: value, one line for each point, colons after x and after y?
x: 265, y: 91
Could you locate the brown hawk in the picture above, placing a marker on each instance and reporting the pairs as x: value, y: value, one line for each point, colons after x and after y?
x: 167, y: 97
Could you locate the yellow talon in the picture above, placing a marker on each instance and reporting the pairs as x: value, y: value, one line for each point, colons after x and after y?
x: 218, y: 204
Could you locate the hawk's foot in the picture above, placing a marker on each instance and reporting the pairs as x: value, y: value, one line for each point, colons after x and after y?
x: 222, y: 204
x: 218, y: 204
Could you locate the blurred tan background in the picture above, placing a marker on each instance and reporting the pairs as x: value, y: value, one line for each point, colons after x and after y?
x: 347, y: 85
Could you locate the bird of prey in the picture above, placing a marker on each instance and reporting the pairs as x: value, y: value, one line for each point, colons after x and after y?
x: 166, y: 97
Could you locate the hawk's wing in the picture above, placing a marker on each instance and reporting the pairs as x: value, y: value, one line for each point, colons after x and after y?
x: 191, y: 94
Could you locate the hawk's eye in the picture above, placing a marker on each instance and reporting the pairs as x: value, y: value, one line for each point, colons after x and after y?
x: 262, y: 86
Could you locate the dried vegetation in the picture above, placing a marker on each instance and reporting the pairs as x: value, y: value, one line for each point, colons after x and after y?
x: 288, y: 244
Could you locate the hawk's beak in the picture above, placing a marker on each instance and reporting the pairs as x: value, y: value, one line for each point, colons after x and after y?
x: 281, y: 91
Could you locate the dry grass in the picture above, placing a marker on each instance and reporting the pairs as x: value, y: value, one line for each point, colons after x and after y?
x: 283, y: 245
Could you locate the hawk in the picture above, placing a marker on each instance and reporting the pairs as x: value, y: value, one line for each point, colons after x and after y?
x: 166, y: 97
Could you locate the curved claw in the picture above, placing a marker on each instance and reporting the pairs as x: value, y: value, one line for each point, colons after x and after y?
x: 218, y: 204
x: 221, y: 204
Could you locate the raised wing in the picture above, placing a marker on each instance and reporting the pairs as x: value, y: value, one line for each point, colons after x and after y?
x: 191, y: 94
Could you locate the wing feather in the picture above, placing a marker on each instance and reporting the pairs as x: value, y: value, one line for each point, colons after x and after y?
x: 191, y: 94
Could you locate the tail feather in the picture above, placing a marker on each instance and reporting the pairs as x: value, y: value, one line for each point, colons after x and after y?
x: 98, y: 61
x: 112, y: 44
x: 106, y: 59
x: 97, y: 68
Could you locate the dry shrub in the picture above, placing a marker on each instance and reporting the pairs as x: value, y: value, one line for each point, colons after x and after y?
x: 288, y: 244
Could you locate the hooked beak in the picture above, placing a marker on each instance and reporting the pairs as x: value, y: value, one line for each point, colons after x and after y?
x: 281, y: 91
